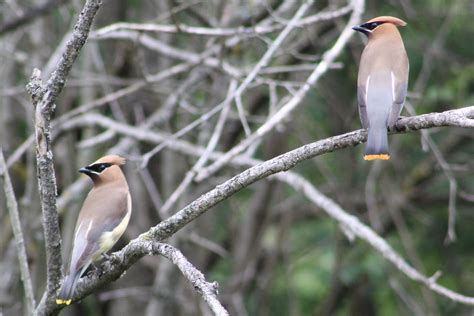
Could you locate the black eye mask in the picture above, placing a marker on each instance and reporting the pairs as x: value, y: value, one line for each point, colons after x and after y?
x: 372, y: 25
x: 99, y: 167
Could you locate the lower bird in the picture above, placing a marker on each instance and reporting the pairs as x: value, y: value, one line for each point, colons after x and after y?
x: 382, y: 82
x: 103, y: 218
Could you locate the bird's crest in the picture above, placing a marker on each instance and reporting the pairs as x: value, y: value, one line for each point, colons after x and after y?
x: 388, y: 19
x: 111, y: 159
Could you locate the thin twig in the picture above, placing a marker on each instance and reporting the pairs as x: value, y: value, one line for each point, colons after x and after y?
x: 206, y: 31
x: 207, y: 244
x: 241, y: 112
x: 207, y: 290
x: 451, y: 233
x: 12, y: 206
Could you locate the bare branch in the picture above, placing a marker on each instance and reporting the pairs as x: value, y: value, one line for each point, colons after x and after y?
x: 43, y: 100
x: 451, y: 234
x: 206, y: 31
x: 47, y: 185
x: 207, y: 290
x: 12, y: 206
x: 207, y: 244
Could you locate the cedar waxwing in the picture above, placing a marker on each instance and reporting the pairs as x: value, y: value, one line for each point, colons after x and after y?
x: 382, y: 82
x: 102, y: 220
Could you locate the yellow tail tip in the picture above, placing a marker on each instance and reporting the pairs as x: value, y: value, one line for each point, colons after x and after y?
x: 60, y: 302
x: 377, y: 157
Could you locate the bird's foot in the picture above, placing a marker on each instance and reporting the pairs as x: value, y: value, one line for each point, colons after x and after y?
x: 94, y: 270
x: 394, y: 127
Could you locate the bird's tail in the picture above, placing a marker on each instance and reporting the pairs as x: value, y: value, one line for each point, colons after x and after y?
x: 377, y: 144
x: 67, y: 289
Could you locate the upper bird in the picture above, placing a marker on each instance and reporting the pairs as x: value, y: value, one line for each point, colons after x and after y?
x: 102, y: 220
x: 382, y: 82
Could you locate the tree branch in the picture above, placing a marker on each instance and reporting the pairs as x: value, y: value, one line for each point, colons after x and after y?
x: 207, y: 290
x: 12, y: 206
x: 43, y: 100
x: 106, y: 31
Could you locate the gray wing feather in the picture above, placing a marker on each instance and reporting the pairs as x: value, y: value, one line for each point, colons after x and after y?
x: 400, y: 95
x: 361, y: 99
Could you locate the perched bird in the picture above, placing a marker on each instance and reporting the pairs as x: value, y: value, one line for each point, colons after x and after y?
x: 382, y: 82
x: 102, y: 220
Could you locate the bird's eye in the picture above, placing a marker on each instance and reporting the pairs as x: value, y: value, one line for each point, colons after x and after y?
x: 373, y: 25
x: 102, y: 167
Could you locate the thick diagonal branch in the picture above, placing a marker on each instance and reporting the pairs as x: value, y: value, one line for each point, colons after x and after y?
x: 131, y: 253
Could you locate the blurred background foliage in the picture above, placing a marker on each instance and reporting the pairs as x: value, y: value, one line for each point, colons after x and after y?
x: 272, y: 251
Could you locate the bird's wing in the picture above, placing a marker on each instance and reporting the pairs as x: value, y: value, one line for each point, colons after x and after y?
x: 363, y: 81
x: 362, y: 101
x: 399, y: 86
x: 101, y: 212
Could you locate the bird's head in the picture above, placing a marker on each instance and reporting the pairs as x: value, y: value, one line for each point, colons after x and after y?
x: 378, y: 24
x: 105, y: 168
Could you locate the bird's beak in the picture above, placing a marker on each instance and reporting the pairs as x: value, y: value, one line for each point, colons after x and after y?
x: 359, y: 29
x: 84, y: 170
